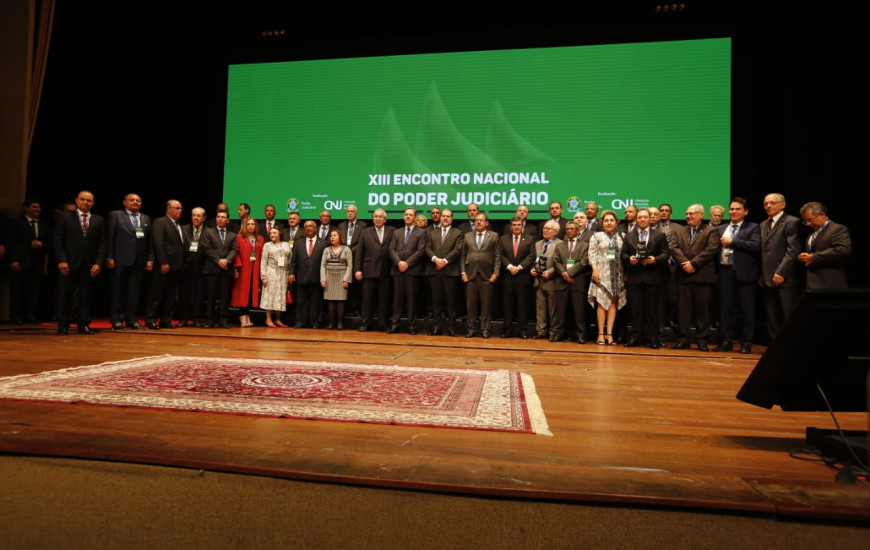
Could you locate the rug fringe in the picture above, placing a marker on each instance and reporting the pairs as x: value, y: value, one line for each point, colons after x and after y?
x: 533, y: 404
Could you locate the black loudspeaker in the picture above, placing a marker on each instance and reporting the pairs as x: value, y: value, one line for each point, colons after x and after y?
x: 824, y: 343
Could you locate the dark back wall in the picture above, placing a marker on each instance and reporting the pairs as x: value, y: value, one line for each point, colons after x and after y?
x: 136, y: 104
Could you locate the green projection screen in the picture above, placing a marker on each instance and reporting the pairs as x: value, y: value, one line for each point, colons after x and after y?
x: 618, y: 124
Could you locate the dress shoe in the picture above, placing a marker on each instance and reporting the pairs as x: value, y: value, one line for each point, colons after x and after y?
x: 392, y: 330
x: 224, y: 324
x: 339, y: 326
x: 655, y: 345
x: 200, y: 323
x: 412, y: 331
x: 506, y: 333
x: 435, y: 332
x: 745, y: 349
x: 298, y: 325
x: 63, y: 331
x: 485, y: 334
x: 524, y: 335
x: 168, y: 324
x: 703, y: 347
x: 363, y: 328
x: 151, y: 325
x: 118, y: 326
x: 208, y: 324
x: 680, y: 345
x: 581, y: 340
x: 555, y: 338
x: 86, y: 330
x: 315, y: 325
x: 539, y: 336
x: 134, y: 326
x: 469, y: 334
x: 451, y: 332
x: 724, y: 346
x: 632, y: 342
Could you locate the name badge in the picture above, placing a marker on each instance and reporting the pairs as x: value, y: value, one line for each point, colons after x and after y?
x: 611, y: 254
x: 253, y: 256
x: 570, y: 262
x: 281, y: 260
x: 194, y: 246
x: 140, y: 232
x: 291, y: 243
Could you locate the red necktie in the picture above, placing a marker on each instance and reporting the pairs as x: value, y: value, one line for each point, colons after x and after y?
x: 310, y: 247
x: 516, y: 245
x: 84, y: 223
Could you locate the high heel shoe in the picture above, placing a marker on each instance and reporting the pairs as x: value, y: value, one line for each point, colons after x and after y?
x: 601, y: 341
x: 608, y: 339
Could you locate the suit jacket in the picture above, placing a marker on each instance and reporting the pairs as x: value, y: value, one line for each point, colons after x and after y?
x: 555, y: 281
x: 193, y: 260
x: 214, y: 250
x: 484, y: 262
x: 74, y: 247
x: 332, y: 227
x: 450, y: 250
x: 286, y: 236
x: 307, y: 269
x: 169, y: 248
x: 372, y: 257
x: 702, y: 252
x: 18, y: 243
x: 641, y: 273
x: 746, y: 246
x: 830, y: 249
x: 357, y: 231
x: 780, y: 248
x: 261, y: 228
x: 413, y: 252
x: 525, y: 255
x: 580, y: 255
x: 122, y: 246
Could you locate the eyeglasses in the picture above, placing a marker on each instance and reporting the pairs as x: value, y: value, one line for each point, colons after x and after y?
x: 811, y: 220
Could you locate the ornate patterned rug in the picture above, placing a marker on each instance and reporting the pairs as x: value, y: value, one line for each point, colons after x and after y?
x: 449, y: 398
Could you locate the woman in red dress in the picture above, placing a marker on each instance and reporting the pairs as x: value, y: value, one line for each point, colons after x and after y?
x: 246, y: 289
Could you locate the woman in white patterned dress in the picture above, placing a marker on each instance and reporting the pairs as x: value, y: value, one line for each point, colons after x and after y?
x: 608, y: 283
x: 273, y: 275
x: 336, y: 269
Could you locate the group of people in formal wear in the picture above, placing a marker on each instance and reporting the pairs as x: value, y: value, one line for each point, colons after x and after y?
x: 560, y: 279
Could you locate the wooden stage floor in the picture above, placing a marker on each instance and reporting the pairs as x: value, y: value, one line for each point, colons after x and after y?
x: 631, y: 426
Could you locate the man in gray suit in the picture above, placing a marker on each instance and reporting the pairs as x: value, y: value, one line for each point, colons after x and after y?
x: 572, y: 262
x: 444, y: 250
x: 407, y: 251
x: 780, y: 247
x: 480, y: 264
x: 549, y: 303
x: 694, y: 248
x: 827, y: 249
x: 129, y: 255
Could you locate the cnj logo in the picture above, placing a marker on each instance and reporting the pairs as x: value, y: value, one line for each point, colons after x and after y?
x: 333, y: 205
x: 619, y: 204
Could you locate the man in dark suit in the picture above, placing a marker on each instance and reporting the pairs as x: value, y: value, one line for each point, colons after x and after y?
x: 518, y: 255
x: 556, y: 216
x: 592, y: 222
x: 627, y: 225
x: 243, y: 211
x: 529, y: 228
x: 220, y: 248
x: 480, y: 266
x: 472, y: 210
x: 572, y: 262
x: 780, y: 247
x: 294, y: 228
x: 305, y: 273
x: 350, y: 230
x: 549, y: 286
x: 644, y: 252
x: 371, y: 265
x: 407, y: 252
x: 827, y: 249
x: 444, y: 250
x: 169, y: 247
x: 694, y: 249
x: 129, y: 255
x: 192, y: 292
x: 80, y: 248
x: 266, y: 225
x: 29, y: 241
x: 738, y: 277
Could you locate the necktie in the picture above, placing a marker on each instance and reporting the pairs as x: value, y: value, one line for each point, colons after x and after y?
x: 812, y: 240
x: 223, y: 236
x: 769, y: 224
x: 135, y: 219
x: 443, y: 234
x: 310, y: 247
x: 546, y: 245
x: 84, y: 223
x: 479, y: 240
x: 196, y: 234
x: 178, y: 228
x: 381, y: 235
x: 268, y: 227
x: 322, y: 232
x: 571, y: 247
x: 407, y: 234
x: 692, y: 232
x: 516, y: 245
x: 643, y: 236
x: 349, y: 233
x: 33, y: 227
